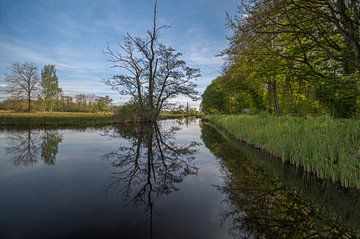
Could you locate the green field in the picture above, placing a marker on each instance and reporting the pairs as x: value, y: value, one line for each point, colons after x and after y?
x: 8, y: 118
x: 55, y: 119
x: 327, y: 147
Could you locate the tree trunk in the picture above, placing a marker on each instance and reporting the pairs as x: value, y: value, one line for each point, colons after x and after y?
x: 29, y: 102
x: 275, y: 98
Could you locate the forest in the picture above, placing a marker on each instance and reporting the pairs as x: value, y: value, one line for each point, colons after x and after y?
x: 293, y: 57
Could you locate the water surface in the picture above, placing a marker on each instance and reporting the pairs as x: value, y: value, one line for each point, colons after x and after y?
x: 177, y: 179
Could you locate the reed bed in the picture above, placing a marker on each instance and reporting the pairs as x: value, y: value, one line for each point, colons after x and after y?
x: 327, y: 147
x: 55, y: 119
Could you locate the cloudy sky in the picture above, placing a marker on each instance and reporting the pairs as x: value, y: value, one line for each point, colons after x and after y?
x: 72, y: 34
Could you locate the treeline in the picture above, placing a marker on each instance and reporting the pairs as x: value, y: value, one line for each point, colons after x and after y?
x: 290, y: 57
x: 62, y: 103
x: 30, y: 91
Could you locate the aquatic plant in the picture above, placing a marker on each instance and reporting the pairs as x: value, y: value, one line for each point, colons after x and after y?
x: 327, y: 147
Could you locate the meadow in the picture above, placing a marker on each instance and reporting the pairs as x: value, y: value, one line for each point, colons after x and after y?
x: 55, y: 119
x: 327, y: 147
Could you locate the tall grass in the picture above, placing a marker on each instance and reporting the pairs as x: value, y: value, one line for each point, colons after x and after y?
x: 55, y: 119
x: 327, y: 147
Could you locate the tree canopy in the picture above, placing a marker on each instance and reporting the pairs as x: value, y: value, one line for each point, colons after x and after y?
x: 294, y: 56
x: 49, y: 85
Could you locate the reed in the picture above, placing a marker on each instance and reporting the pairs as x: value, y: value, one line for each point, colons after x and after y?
x: 327, y: 147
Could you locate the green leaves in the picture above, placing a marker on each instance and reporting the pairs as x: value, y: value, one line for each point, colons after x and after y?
x: 49, y: 86
x: 299, y: 57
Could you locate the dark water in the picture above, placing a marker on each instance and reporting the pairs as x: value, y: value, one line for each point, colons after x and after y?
x: 178, y: 179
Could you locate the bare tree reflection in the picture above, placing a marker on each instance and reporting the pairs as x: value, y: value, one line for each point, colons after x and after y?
x: 149, y: 164
x: 27, y: 147
x: 23, y: 147
x: 261, y: 205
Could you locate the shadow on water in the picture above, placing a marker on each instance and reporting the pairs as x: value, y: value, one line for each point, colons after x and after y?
x: 149, y: 164
x: 268, y: 199
x: 26, y: 147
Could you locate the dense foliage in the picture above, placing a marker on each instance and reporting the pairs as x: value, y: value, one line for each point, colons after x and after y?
x: 49, y: 86
x: 290, y: 56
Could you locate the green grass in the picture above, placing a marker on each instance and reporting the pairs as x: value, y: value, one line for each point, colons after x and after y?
x: 8, y: 118
x: 55, y: 119
x: 327, y: 147
x: 169, y: 115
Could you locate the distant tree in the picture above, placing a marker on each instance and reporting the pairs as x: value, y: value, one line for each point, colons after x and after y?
x: 151, y: 73
x: 49, y: 85
x: 80, y: 99
x: 91, y: 99
x: 23, y: 81
x: 66, y: 102
x: 103, y: 103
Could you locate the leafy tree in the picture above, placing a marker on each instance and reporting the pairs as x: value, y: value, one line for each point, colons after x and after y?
x: 103, y: 103
x: 296, y: 56
x: 23, y: 81
x: 214, y: 99
x: 49, y: 85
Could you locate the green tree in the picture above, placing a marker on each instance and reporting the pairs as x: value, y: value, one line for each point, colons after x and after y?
x: 103, y: 103
x: 296, y: 56
x: 214, y: 99
x: 49, y: 86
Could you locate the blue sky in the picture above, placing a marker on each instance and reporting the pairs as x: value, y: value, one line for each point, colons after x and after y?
x: 73, y: 33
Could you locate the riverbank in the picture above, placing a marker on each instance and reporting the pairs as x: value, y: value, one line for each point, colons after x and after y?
x: 326, y: 147
x: 55, y: 119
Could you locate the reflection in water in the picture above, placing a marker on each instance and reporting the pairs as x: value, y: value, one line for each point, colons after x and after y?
x: 149, y: 164
x: 26, y: 147
x: 263, y: 197
x: 262, y: 205
x: 49, y: 146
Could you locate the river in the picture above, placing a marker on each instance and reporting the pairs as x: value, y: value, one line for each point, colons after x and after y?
x: 175, y: 179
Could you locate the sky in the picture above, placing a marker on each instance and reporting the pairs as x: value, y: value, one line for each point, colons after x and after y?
x: 72, y: 34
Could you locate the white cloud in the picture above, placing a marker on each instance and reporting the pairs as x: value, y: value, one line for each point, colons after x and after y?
x: 203, y: 55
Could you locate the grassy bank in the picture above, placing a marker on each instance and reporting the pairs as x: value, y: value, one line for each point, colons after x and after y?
x: 327, y: 147
x: 70, y: 118
x: 168, y: 115
x: 55, y: 119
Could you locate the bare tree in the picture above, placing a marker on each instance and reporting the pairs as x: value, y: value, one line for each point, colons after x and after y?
x: 151, y: 72
x: 23, y: 79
